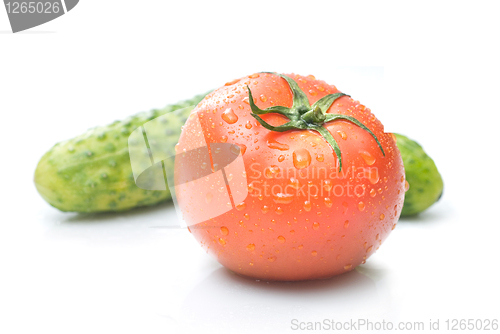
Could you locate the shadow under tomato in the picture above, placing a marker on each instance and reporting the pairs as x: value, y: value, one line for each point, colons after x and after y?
x: 225, y: 300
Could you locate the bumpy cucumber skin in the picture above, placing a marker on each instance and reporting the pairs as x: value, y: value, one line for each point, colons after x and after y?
x: 92, y: 172
x: 426, y: 184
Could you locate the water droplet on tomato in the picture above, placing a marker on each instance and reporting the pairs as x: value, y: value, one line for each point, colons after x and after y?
x: 369, y: 249
x: 247, y: 216
x: 265, y: 209
x: 382, y: 216
x: 208, y: 198
x: 314, y: 253
x: 373, y: 193
x: 243, y: 148
x: 281, y: 239
x: 367, y: 157
x: 320, y: 88
x: 224, y: 230
x: 327, y: 185
x: 248, y: 125
x: 241, y: 206
x: 278, y: 210
x: 263, y: 98
x: 348, y: 266
x: 328, y: 202
x: 342, y: 134
x: 294, y: 183
x: 361, y: 206
x: 282, y: 198
x: 301, y: 158
x: 281, y: 158
x: 373, y: 176
x: 315, y: 226
x: 223, y: 139
x: 231, y: 82
x: 271, y: 171
x: 320, y: 157
x: 222, y: 241
x: 229, y: 116
x: 271, y: 143
x: 346, y: 224
x: 250, y: 247
x: 237, y: 148
x: 271, y: 258
x: 407, y: 186
x: 307, y: 206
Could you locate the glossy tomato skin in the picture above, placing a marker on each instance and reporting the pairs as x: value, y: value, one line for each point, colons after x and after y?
x: 302, y: 219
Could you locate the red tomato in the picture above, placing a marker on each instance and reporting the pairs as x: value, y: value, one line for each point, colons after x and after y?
x: 305, y: 216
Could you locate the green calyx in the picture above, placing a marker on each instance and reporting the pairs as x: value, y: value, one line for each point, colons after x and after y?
x: 303, y: 116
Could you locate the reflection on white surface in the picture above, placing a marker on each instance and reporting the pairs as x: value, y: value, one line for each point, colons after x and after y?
x: 130, y: 272
x: 228, y: 302
x: 138, y: 273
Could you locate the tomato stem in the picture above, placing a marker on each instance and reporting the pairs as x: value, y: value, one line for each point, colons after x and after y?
x: 304, y: 117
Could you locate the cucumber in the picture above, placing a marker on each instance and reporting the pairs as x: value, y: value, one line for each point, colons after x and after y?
x: 426, y: 184
x: 93, y: 173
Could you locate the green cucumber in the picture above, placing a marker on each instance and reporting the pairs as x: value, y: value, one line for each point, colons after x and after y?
x: 426, y: 184
x: 93, y: 173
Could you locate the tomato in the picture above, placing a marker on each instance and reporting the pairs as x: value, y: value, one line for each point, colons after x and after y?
x: 324, y: 191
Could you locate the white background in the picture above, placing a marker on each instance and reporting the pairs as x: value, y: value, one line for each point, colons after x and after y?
x: 429, y: 70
